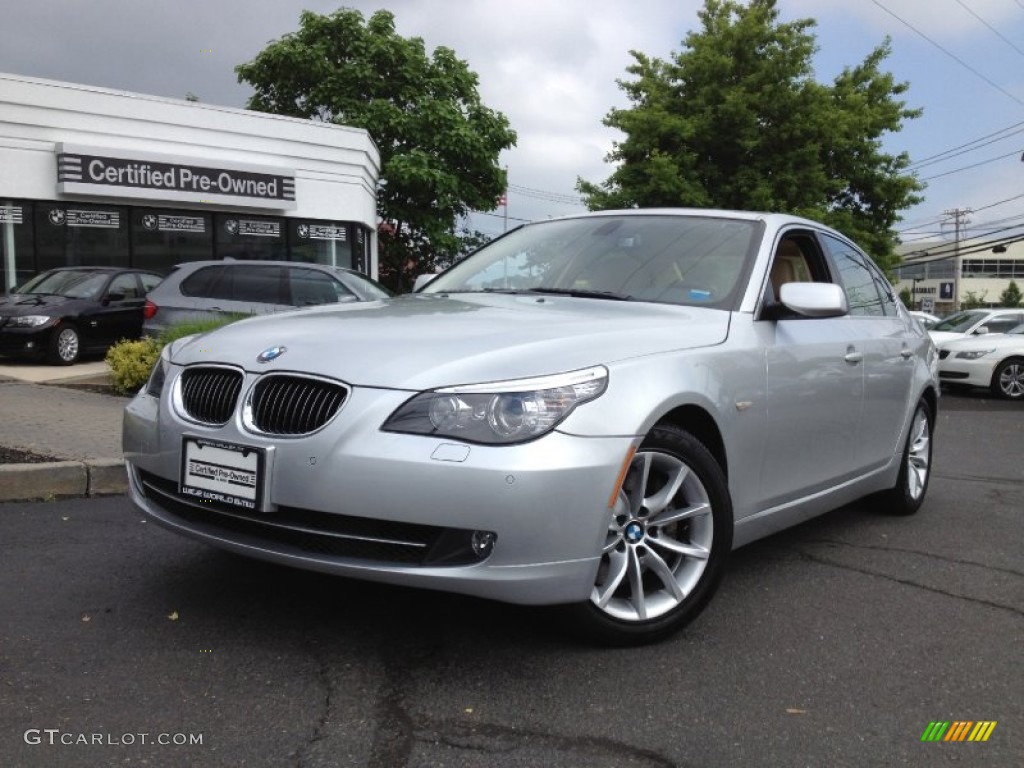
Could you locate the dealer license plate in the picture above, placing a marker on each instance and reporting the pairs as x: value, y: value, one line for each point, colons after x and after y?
x: 216, y: 471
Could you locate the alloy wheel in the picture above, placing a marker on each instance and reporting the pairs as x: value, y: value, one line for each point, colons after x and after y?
x: 659, y: 539
x: 67, y: 344
x: 918, y: 455
x: 1011, y: 380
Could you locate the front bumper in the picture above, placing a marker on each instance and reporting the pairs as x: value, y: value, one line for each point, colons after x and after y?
x: 975, y: 373
x: 396, y: 508
x: 25, y: 342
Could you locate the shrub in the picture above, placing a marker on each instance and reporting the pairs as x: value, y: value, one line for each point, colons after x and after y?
x: 131, y: 361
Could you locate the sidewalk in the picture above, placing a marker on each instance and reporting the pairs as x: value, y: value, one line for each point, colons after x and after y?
x: 81, y: 429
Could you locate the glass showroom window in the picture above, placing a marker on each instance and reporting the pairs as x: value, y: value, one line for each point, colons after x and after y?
x: 81, y: 234
x: 320, y: 242
x: 241, y: 236
x: 16, y: 246
x: 162, y: 238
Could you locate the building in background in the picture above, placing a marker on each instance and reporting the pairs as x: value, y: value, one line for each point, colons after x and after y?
x: 91, y: 176
x: 929, y: 273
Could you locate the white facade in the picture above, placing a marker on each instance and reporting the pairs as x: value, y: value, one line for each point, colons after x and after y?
x: 70, y: 144
x: 938, y: 286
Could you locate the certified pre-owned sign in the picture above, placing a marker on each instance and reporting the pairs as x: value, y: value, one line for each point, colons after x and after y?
x: 92, y: 170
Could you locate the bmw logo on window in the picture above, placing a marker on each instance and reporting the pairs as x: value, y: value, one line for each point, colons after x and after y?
x: 271, y: 353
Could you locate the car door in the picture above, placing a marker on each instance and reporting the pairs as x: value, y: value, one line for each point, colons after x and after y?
x: 889, y: 350
x: 815, y: 383
x: 118, y: 314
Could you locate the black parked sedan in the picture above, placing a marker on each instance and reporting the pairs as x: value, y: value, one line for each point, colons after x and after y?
x: 64, y: 312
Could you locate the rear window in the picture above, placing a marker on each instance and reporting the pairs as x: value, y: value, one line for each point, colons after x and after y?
x: 202, y: 282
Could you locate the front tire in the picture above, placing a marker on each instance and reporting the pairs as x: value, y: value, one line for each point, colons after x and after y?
x: 65, y: 344
x: 906, y: 497
x: 1008, y: 379
x: 669, y: 535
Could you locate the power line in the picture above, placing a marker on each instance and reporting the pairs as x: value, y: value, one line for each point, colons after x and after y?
x: 984, y: 141
x: 952, y: 55
x: 994, y: 31
x: 975, y: 165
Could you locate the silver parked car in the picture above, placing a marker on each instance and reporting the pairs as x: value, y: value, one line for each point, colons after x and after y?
x: 590, y: 411
x: 206, y: 290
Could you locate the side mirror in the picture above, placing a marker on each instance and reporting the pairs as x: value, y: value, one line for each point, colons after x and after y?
x: 814, y: 299
x: 981, y: 331
x: 114, y: 297
x: 422, y: 280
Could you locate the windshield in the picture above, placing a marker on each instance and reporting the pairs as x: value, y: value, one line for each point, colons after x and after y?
x: 960, y: 322
x: 66, y: 282
x: 689, y: 260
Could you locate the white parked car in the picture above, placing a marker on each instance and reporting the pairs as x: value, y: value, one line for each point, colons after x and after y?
x: 590, y: 411
x: 975, y: 321
x: 993, y: 360
x: 927, y: 319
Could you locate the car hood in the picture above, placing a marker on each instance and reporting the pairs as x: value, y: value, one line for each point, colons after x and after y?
x: 15, y: 304
x: 426, y: 341
x: 985, y: 341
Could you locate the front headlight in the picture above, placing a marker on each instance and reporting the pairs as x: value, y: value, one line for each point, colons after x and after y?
x: 973, y: 354
x: 498, y: 413
x: 155, y: 385
x: 28, y: 321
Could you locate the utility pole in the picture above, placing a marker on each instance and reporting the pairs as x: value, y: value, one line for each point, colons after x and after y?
x: 960, y: 222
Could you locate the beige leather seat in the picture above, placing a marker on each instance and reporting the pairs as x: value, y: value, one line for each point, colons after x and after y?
x: 789, y: 266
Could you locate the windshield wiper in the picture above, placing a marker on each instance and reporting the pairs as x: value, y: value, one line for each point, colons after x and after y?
x: 582, y: 293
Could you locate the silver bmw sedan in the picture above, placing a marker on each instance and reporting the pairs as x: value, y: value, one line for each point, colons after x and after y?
x: 588, y: 412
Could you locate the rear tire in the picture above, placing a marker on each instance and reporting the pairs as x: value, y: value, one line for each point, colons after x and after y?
x: 906, y: 497
x: 669, y: 536
x: 65, y: 344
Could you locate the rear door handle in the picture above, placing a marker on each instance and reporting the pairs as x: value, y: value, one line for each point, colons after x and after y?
x: 906, y: 353
x: 853, y: 357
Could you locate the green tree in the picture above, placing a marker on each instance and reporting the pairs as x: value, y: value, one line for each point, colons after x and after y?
x: 1011, y: 296
x: 737, y: 120
x: 439, y: 143
x: 972, y: 300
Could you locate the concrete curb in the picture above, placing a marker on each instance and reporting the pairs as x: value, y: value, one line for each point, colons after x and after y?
x: 48, y: 480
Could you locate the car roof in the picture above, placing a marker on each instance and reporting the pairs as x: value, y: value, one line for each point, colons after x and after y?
x: 776, y: 219
x: 100, y: 269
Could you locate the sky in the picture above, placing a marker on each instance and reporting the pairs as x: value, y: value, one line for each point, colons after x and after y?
x: 552, y: 67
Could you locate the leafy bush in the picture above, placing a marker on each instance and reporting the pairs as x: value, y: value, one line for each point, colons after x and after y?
x: 131, y: 361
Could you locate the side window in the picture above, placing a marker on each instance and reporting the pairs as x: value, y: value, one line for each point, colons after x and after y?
x: 204, y: 284
x: 125, y: 285
x: 310, y: 287
x: 797, y: 259
x: 857, y: 278
x: 257, y: 284
x: 149, y: 282
x: 1002, y: 323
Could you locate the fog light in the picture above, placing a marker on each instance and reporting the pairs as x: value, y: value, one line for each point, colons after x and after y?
x: 483, y: 543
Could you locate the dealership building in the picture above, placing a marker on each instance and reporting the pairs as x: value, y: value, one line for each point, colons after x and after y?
x: 92, y: 176
x: 942, y: 277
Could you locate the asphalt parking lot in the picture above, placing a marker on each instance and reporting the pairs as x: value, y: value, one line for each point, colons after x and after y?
x: 836, y: 643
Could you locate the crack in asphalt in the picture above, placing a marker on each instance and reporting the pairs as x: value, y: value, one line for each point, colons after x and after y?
x: 979, y: 478
x: 491, y: 738
x: 398, y: 732
x: 956, y: 561
x: 810, y: 557
x: 326, y: 681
